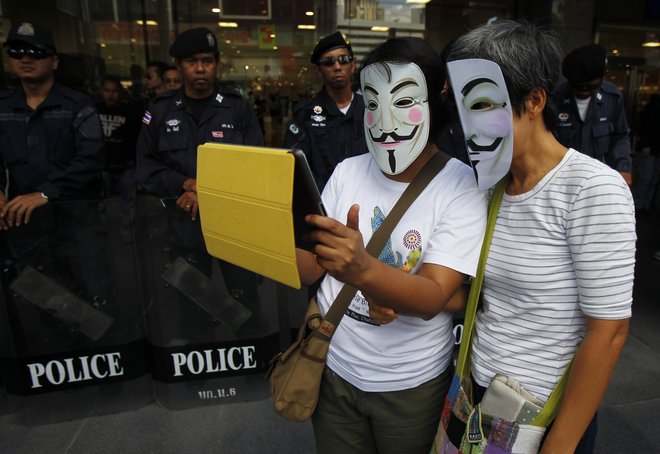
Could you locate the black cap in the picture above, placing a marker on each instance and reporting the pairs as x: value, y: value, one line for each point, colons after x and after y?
x: 32, y: 34
x: 585, y: 63
x: 330, y: 42
x: 194, y: 41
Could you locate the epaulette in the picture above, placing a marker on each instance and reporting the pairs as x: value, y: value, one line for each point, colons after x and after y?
x: 161, y: 102
x: 231, y: 94
x: 76, y: 96
x: 300, y: 105
x: 165, y: 95
x: 610, y: 88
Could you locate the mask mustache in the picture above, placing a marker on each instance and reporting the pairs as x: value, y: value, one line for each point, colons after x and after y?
x: 474, y: 147
x: 396, y: 137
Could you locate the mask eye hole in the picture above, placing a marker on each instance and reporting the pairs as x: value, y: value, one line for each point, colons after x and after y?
x: 481, y: 106
x: 403, y: 103
x: 372, y: 105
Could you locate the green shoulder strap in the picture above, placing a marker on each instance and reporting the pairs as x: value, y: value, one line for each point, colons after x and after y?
x: 462, y: 366
x: 549, y: 411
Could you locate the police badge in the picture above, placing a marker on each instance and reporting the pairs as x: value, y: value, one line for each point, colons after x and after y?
x: 317, y: 117
x: 25, y: 29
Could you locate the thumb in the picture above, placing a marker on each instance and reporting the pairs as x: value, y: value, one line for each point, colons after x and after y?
x: 353, y: 218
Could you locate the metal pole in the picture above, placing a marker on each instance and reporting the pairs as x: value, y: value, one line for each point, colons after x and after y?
x: 145, y: 33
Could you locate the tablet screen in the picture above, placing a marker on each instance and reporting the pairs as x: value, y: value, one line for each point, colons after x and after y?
x: 306, y: 199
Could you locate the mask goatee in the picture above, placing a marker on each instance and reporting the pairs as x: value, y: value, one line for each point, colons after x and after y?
x: 392, y: 161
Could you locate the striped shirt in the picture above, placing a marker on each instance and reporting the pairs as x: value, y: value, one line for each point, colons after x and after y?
x: 561, y: 251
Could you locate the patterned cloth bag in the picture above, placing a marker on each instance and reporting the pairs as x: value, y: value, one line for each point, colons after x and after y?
x: 508, y: 420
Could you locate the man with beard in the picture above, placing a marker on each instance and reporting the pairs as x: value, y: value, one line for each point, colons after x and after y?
x: 330, y: 127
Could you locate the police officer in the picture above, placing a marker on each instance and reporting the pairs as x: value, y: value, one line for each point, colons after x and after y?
x: 51, y: 157
x: 591, y: 113
x: 52, y: 143
x: 329, y: 128
x: 153, y: 79
x: 176, y: 123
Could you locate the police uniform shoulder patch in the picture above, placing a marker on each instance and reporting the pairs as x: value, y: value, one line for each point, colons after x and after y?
x: 294, y: 129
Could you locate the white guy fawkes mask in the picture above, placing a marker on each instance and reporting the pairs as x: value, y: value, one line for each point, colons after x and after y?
x: 485, y: 111
x: 396, y: 115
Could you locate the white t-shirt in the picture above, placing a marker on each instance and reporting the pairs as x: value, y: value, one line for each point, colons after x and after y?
x: 444, y: 226
x: 583, y: 106
x: 561, y: 251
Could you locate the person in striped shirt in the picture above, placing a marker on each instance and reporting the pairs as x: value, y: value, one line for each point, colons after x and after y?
x: 559, y: 275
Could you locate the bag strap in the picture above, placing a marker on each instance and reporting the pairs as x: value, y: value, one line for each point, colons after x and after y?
x: 462, y: 366
x: 549, y: 411
x: 432, y: 167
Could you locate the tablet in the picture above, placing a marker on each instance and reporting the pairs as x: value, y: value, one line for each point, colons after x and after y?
x: 306, y: 198
x: 247, y: 203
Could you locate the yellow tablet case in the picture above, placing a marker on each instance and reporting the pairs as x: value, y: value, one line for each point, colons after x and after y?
x: 245, y: 206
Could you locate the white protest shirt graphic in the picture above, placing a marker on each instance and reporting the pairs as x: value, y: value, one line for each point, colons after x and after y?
x: 486, y: 116
x: 396, y: 117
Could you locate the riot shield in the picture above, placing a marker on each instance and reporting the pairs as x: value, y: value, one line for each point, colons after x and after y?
x: 213, y: 327
x: 70, y: 294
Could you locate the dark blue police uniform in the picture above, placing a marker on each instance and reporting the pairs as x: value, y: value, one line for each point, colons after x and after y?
x: 167, y: 148
x: 603, y: 134
x: 56, y: 149
x: 166, y: 158
x: 325, y: 134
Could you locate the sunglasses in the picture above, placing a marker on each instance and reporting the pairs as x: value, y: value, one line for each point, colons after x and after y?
x: 330, y: 61
x: 33, y: 54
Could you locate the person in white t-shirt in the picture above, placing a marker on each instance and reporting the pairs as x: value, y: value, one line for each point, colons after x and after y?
x: 384, y: 384
x: 559, y: 276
